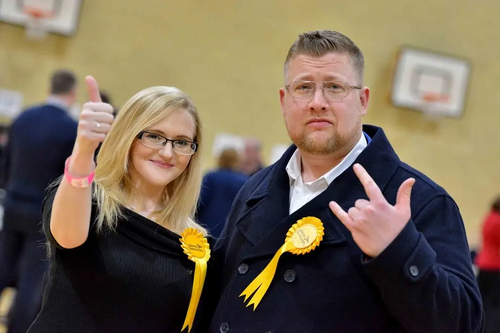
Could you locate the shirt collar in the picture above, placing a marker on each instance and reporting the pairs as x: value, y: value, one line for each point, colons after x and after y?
x: 294, y: 166
x: 57, y: 102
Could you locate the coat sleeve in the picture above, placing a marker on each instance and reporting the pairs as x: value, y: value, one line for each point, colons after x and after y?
x: 425, y: 275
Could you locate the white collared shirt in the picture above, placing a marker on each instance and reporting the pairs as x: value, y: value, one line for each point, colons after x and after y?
x: 57, y: 102
x: 300, y: 192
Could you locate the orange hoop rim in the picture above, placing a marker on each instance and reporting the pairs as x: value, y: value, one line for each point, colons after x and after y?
x: 38, y: 13
x: 432, y: 97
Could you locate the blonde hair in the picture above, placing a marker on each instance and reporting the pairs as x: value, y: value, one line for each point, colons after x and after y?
x: 113, y: 186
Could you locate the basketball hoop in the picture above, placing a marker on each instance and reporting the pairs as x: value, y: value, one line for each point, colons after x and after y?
x: 36, y: 22
x: 432, y: 105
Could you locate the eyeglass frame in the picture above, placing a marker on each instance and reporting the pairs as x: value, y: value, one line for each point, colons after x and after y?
x: 140, y: 135
x: 350, y: 88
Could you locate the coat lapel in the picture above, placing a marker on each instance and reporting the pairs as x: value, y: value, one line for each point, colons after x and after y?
x: 269, y: 203
x: 267, y: 221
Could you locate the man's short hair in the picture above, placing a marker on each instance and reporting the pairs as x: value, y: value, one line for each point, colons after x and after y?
x: 62, y: 82
x: 320, y: 42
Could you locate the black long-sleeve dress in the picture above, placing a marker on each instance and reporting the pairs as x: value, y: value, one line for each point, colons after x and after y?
x: 136, y: 279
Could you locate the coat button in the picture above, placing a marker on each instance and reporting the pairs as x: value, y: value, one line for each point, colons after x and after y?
x: 289, y: 276
x: 224, y: 327
x: 414, y: 270
x: 243, y: 268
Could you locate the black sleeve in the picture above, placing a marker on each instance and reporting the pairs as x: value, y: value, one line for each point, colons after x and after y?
x: 47, y: 203
x: 48, y: 200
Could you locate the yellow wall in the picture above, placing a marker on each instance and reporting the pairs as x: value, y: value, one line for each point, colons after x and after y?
x: 228, y: 56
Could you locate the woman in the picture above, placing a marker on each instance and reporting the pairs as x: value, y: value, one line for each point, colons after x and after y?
x: 116, y: 259
x: 488, y: 262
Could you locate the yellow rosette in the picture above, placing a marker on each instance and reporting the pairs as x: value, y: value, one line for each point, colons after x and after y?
x: 303, y: 237
x: 197, y: 249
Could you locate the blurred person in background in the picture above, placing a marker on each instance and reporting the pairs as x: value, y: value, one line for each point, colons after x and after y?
x: 4, y: 138
x: 488, y: 264
x: 251, y: 162
x: 105, y: 98
x: 40, y: 140
x: 219, y: 188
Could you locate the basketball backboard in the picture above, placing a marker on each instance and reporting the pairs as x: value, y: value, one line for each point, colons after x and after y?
x: 56, y: 16
x: 424, y: 78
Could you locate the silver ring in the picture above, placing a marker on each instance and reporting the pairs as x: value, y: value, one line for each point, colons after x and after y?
x: 98, y: 125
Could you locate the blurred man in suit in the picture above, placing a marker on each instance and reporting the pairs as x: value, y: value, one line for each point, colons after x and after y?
x: 40, y: 140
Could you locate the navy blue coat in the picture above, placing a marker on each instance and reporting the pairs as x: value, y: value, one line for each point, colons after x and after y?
x: 218, y: 191
x: 40, y: 140
x: 423, y: 282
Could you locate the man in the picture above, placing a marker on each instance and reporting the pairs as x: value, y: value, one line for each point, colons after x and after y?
x: 387, y: 262
x: 41, y: 138
x: 252, y: 159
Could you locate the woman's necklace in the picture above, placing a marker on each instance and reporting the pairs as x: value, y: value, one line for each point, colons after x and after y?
x: 142, y: 212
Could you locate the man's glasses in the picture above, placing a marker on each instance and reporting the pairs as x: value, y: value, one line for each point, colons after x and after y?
x: 333, y: 90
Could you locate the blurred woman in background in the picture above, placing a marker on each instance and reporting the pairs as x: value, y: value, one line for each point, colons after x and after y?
x: 488, y: 263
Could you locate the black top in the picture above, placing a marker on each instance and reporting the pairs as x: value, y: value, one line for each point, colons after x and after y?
x: 136, y: 279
